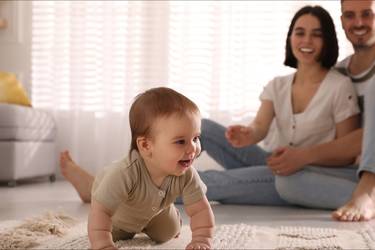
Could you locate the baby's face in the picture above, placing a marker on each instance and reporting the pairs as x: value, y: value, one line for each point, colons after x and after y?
x: 175, y: 143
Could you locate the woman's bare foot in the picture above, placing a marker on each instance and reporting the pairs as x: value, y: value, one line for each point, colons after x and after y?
x: 80, y: 179
x: 362, y: 205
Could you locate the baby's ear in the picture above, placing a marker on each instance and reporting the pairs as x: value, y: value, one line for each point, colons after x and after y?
x: 144, y: 145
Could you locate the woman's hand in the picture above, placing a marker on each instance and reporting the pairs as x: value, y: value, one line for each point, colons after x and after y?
x: 286, y: 161
x: 239, y: 135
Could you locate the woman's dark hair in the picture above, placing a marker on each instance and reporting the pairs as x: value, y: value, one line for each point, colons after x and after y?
x: 330, y: 50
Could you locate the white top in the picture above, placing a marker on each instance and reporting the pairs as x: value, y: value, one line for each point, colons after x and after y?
x: 334, y: 101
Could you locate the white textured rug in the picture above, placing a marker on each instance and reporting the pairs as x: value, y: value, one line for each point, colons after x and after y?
x: 59, y: 232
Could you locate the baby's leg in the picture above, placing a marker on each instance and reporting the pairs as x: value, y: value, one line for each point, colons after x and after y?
x: 80, y: 179
x: 118, y: 234
x: 164, y: 226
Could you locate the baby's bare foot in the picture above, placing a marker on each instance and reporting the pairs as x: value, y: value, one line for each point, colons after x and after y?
x: 77, y: 176
x: 362, y: 205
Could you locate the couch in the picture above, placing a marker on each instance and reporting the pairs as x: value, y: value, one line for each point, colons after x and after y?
x: 27, y: 143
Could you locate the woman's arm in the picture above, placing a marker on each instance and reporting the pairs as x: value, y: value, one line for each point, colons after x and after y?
x: 263, y: 120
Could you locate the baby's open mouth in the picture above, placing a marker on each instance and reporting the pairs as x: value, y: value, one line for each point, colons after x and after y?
x: 185, y: 163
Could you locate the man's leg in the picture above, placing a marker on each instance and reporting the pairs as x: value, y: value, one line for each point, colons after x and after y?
x: 213, y: 141
x: 361, y: 206
x: 250, y: 185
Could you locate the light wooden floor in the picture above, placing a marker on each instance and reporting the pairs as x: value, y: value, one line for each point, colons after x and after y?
x: 36, y: 197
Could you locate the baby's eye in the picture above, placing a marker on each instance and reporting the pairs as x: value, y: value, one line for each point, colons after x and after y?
x: 182, y: 142
x: 196, y: 139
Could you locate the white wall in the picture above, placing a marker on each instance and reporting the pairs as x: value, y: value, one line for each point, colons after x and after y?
x: 15, y: 40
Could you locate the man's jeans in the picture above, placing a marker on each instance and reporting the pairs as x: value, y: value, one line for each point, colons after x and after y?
x: 368, y: 146
x: 248, y: 180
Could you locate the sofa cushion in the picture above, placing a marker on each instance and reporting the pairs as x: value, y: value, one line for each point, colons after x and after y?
x: 11, y: 90
x: 25, y: 124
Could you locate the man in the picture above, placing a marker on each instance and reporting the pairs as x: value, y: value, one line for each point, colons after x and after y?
x: 359, y: 24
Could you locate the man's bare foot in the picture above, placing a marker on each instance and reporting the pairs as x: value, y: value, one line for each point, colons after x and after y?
x: 361, y: 207
x: 80, y: 179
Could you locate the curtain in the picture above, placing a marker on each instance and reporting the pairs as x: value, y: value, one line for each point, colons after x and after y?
x: 91, y: 58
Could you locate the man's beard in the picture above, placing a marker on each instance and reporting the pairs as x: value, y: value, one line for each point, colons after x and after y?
x: 360, y: 47
x: 359, y: 44
x: 363, y: 46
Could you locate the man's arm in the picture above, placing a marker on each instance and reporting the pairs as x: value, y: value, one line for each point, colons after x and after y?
x: 340, y: 151
x: 337, y: 153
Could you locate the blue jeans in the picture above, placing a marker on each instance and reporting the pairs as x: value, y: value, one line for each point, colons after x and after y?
x: 368, y: 146
x: 332, y: 187
x: 248, y: 180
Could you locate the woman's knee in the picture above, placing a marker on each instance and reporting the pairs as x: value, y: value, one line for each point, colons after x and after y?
x: 211, y: 127
x: 211, y: 131
x: 290, y: 188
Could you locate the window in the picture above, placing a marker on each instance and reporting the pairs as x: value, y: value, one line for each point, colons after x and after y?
x: 91, y: 58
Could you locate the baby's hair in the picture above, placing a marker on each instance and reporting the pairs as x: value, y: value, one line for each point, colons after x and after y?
x: 155, y: 103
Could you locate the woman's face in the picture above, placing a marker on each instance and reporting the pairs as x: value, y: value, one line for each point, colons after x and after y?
x: 307, y: 40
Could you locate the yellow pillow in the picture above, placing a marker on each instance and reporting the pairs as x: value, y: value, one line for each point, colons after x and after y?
x: 11, y: 90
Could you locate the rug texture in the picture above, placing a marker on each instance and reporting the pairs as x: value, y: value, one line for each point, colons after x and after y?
x: 58, y: 231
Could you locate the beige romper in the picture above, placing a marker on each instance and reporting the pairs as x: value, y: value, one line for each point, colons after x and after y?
x: 138, y: 205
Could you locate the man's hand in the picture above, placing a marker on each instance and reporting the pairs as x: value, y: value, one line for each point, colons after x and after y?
x: 239, y: 135
x: 286, y: 161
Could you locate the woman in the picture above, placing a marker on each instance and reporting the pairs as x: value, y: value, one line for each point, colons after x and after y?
x: 313, y: 105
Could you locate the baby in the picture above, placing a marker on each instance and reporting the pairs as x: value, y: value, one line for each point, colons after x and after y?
x: 136, y: 194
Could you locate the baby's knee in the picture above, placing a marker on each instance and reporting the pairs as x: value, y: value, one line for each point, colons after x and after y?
x: 164, y: 232
x: 164, y: 226
x: 119, y: 234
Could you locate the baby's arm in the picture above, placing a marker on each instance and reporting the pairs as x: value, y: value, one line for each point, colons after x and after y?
x: 100, y: 227
x: 202, y: 224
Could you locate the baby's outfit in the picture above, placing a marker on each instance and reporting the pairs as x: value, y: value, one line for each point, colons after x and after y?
x: 138, y: 205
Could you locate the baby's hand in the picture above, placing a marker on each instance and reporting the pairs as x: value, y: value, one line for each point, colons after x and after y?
x: 193, y: 245
x: 107, y: 247
x: 110, y: 248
